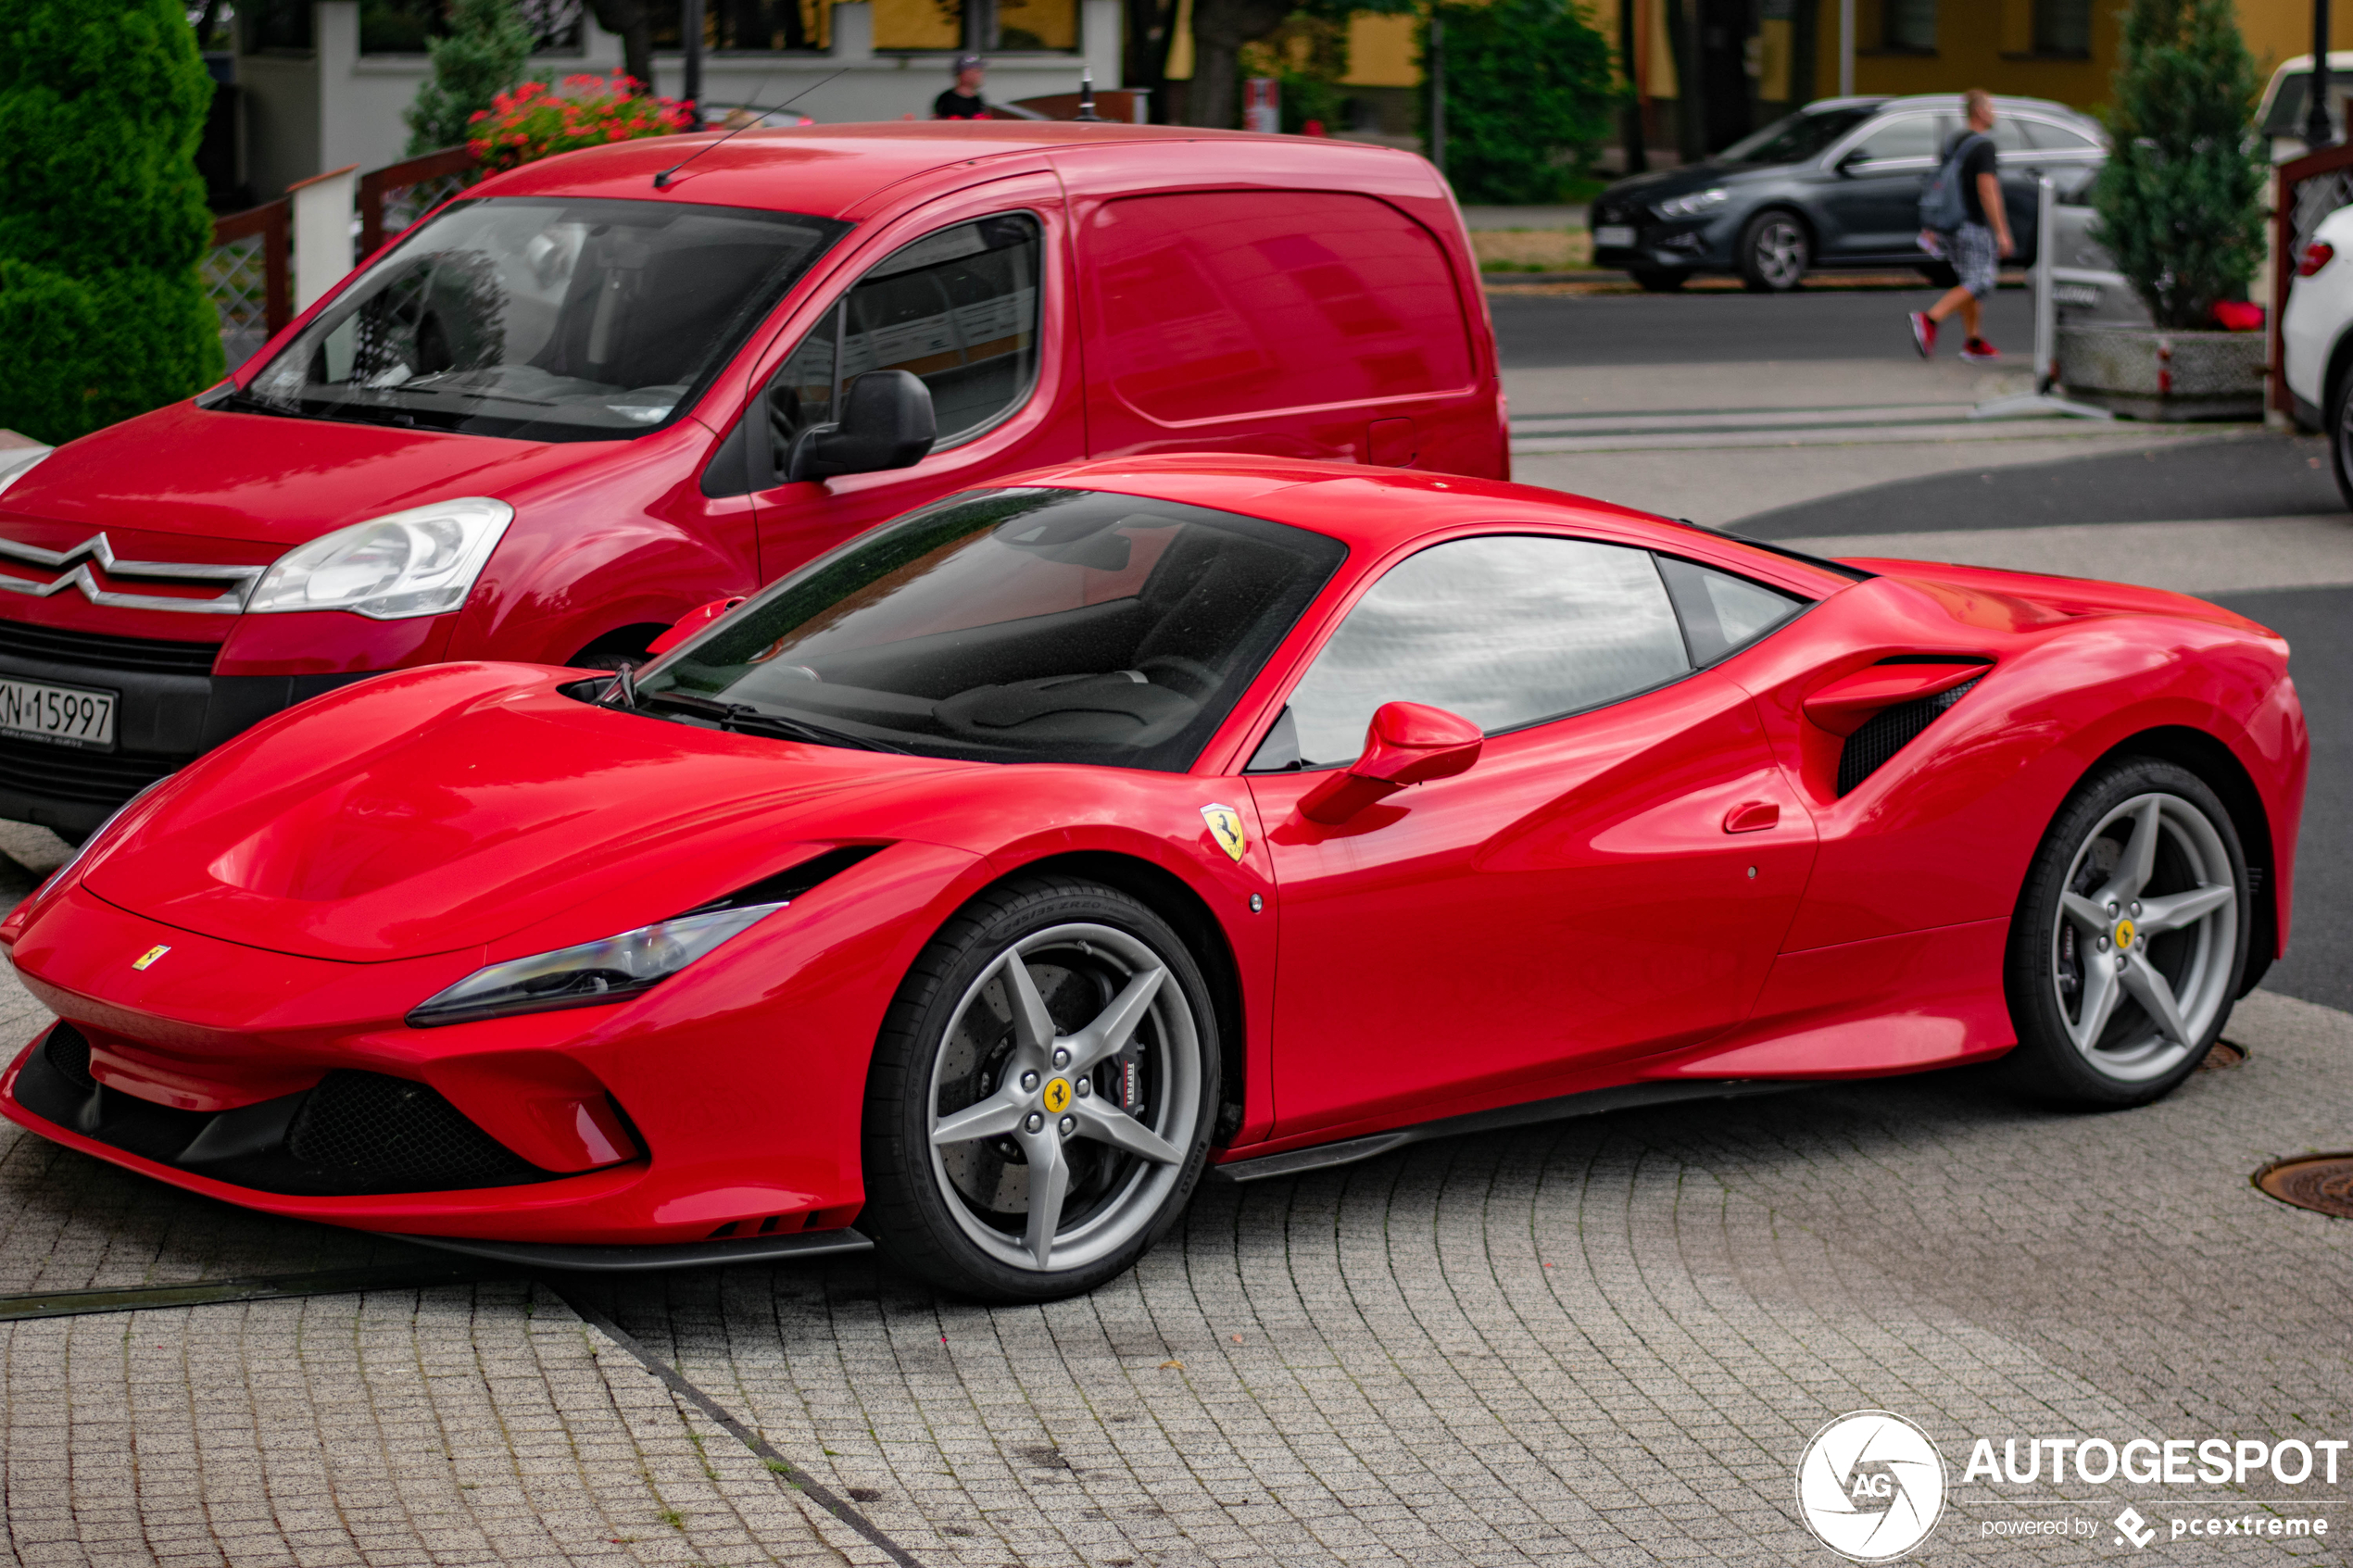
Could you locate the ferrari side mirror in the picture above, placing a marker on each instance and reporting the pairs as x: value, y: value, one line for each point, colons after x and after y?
x: 693, y: 621
x: 1407, y: 743
x: 887, y: 423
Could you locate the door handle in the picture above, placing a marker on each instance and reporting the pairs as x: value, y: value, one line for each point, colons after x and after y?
x: 1752, y: 816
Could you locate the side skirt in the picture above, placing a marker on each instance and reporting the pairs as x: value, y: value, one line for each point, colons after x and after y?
x: 636, y: 1259
x: 1593, y: 1102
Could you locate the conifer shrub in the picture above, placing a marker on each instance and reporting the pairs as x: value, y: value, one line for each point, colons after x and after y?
x: 2179, y: 198
x: 482, y: 56
x: 102, y: 214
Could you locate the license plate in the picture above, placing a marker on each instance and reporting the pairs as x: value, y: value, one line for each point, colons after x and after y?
x: 1615, y: 236
x: 62, y: 715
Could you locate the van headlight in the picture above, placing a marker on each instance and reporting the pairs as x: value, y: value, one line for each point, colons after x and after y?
x: 423, y: 562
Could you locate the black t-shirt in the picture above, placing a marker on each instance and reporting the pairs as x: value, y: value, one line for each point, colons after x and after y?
x: 1979, y: 161
x: 952, y: 105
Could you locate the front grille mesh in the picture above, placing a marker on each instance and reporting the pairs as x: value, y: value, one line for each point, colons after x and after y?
x: 57, y: 644
x: 1890, y: 730
x: 69, y: 1054
x: 384, y: 1129
x: 64, y: 772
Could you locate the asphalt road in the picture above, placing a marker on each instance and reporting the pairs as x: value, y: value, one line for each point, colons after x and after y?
x: 1541, y: 330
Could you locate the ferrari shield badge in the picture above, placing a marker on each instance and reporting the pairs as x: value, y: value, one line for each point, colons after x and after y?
x: 1225, y: 827
x: 150, y: 956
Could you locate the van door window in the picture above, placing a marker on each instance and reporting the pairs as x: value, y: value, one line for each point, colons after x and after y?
x: 958, y: 308
x: 1221, y: 303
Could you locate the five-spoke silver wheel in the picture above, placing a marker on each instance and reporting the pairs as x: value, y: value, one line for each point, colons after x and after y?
x: 1043, y: 1092
x: 2129, y: 939
x: 1063, y: 1099
x: 2142, y: 952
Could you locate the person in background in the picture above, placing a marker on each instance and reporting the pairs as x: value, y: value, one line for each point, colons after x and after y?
x: 964, y: 100
x: 1972, y: 248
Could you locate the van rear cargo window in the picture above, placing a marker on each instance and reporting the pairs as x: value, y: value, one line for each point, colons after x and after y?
x: 1218, y: 303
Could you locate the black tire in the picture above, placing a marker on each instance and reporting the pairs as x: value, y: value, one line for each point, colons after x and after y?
x: 2340, y: 417
x: 927, y: 1208
x: 1656, y: 280
x: 2124, y: 1055
x: 1775, y: 252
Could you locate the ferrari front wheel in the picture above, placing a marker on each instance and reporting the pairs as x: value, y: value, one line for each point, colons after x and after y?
x: 2130, y: 937
x: 1042, y: 1094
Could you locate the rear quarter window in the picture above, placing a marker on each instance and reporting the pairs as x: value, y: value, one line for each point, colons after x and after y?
x: 1214, y: 304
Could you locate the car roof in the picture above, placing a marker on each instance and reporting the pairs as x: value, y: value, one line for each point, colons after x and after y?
x: 1372, y: 509
x: 1950, y: 103
x: 836, y: 170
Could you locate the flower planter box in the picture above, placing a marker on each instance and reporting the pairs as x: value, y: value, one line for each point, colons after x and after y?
x: 2143, y: 373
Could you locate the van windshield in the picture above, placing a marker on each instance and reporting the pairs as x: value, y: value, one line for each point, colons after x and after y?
x: 1029, y: 626
x: 544, y: 318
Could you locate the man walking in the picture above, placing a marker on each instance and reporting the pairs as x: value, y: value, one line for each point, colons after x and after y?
x: 1969, y: 188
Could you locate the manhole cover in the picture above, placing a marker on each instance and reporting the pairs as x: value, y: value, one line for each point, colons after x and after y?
x: 2323, y: 1183
x: 2221, y: 1054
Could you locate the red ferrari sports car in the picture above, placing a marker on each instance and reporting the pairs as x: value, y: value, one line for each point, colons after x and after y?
x: 989, y: 878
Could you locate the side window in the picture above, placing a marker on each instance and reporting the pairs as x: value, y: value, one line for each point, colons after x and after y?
x: 1505, y: 629
x: 1228, y: 303
x: 2009, y: 136
x: 1721, y: 612
x: 1912, y: 135
x: 2058, y: 138
x: 958, y: 308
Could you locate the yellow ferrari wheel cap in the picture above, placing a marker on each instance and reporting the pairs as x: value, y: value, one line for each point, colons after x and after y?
x: 1057, y: 1095
x: 1225, y: 827
x: 2124, y: 934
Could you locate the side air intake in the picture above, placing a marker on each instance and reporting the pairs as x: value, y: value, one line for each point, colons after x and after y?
x: 1888, y: 731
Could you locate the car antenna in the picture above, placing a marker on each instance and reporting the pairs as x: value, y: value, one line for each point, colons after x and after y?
x: 662, y: 181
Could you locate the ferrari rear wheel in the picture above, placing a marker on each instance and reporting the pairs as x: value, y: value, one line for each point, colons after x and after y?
x: 2130, y: 937
x: 1042, y: 1095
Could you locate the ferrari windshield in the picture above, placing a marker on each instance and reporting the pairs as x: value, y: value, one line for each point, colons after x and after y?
x: 544, y: 318
x: 1024, y: 626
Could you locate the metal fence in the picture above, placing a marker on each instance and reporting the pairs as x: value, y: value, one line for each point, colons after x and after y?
x: 246, y: 274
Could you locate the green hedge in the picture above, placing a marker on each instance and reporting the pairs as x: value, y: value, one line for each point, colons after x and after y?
x: 1530, y: 98
x: 102, y: 214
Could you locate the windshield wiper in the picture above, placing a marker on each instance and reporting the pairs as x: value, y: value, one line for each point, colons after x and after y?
x: 743, y: 718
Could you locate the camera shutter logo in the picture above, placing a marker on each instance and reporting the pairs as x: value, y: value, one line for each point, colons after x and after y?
x: 1871, y: 1485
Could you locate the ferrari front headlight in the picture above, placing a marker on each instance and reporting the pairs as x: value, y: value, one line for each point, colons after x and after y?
x: 591, y: 974
x: 423, y: 562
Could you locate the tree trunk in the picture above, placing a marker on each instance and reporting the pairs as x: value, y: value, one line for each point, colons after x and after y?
x: 1220, y: 28
x: 634, y: 23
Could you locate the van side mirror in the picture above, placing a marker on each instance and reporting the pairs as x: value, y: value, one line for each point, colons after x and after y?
x: 887, y: 423
x: 1407, y: 743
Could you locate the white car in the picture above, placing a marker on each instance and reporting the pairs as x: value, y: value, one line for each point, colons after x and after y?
x: 2317, y: 346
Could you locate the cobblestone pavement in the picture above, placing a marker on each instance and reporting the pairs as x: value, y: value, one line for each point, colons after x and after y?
x: 1605, y: 1341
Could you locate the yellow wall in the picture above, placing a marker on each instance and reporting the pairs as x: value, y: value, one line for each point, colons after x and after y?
x: 1988, y: 44
x: 1382, y: 52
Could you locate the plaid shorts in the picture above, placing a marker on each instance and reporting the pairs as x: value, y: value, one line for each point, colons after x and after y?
x: 1971, y: 251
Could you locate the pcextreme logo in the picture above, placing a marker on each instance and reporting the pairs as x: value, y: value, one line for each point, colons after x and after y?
x: 1871, y: 1485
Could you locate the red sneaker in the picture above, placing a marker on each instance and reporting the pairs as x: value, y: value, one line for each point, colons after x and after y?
x: 1924, y: 335
x: 1978, y: 348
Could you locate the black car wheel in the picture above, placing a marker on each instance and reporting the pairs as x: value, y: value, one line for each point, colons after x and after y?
x: 2130, y: 938
x: 2341, y: 438
x: 1042, y: 1094
x: 1775, y: 252
x: 1657, y: 279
